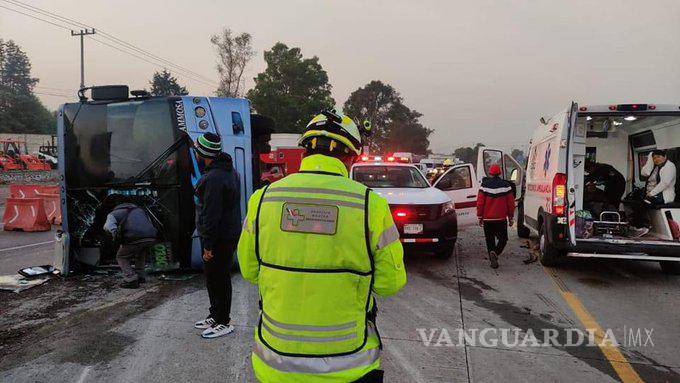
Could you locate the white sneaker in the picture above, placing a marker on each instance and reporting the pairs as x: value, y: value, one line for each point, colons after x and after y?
x: 204, y: 324
x: 217, y: 331
x: 639, y: 232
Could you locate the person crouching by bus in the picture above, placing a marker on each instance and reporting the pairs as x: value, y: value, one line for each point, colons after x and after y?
x: 132, y: 229
x: 660, y: 175
x: 495, y: 211
x: 218, y: 221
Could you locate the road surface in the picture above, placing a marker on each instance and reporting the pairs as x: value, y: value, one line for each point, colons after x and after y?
x: 86, y: 330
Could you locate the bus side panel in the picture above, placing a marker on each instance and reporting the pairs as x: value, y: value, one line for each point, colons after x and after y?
x: 232, y: 118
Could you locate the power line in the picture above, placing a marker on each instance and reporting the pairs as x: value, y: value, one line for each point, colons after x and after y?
x: 50, y: 88
x: 188, y: 73
x: 140, y: 57
x: 34, y: 17
x: 53, y: 94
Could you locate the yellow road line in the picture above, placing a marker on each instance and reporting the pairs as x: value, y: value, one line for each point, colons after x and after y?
x: 610, y: 351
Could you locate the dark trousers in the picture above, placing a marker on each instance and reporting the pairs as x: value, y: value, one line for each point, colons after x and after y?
x: 496, y: 234
x: 638, y: 209
x: 218, y: 279
x: 131, y: 256
x: 375, y: 376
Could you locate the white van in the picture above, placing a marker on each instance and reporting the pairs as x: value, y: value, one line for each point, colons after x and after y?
x: 552, y: 194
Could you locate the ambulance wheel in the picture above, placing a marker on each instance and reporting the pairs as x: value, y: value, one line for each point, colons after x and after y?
x: 522, y: 231
x: 548, y: 254
x: 445, y: 250
x: 672, y: 268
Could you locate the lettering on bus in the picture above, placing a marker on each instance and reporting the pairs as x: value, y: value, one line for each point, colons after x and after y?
x: 179, y: 115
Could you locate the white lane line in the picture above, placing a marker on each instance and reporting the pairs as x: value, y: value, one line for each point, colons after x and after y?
x: 26, y: 246
x: 84, y: 374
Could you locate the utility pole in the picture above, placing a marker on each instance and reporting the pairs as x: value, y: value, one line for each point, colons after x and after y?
x: 82, y: 34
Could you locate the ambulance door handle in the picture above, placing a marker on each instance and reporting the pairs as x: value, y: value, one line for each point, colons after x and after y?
x: 471, y: 196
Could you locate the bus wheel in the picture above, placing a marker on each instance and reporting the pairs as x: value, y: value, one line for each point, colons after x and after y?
x: 548, y: 254
x: 672, y: 268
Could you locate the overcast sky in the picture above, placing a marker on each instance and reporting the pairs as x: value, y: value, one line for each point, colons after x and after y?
x: 477, y: 70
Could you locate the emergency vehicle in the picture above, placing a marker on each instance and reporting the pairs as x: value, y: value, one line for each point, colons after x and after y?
x: 279, y: 163
x: 424, y: 215
x: 620, y: 135
x: 129, y: 143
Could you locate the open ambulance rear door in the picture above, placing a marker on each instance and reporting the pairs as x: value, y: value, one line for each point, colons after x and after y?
x: 576, y: 156
x: 511, y: 170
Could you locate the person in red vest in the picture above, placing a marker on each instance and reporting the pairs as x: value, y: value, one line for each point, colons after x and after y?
x: 495, y: 211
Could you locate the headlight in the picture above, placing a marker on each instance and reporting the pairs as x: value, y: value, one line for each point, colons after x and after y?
x: 448, y: 208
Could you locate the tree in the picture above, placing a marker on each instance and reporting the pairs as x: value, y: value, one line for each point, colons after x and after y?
x: 468, y: 154
x: 164, y: 83
x: 518, y: 154
x: 20, y: 110
x: 395, y: 127
x: 292, y: 89
x: 234, y: 53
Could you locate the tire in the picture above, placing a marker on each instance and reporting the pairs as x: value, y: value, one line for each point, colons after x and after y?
x: 668, y: 267
x: 445, y: 250
x: 522, y: 231
x: 548, y: 254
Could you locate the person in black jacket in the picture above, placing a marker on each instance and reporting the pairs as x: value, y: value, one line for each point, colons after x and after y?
x: 218, y: 221
x: 612, y: 182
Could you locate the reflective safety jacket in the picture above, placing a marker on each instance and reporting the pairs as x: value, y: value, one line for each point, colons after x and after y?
x: 318, y: 245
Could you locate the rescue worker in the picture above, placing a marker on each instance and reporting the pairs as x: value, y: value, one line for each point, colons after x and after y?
x: 218, y: 221
x: 495, y: 211
x: 131, y: 228
x: 319, y: 245
x: 611, y: 179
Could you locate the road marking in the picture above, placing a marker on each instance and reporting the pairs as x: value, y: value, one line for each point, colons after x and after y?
x: 84, y: 374
x: 26, y: 246
x: 611, y: 352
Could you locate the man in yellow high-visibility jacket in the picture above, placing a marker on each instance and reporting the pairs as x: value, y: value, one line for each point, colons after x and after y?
x: 318, y: 245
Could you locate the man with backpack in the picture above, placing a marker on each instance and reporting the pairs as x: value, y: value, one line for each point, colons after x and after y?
x: 132, y: 229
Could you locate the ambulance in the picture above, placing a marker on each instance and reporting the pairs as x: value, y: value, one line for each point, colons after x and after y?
x: 555, y: 204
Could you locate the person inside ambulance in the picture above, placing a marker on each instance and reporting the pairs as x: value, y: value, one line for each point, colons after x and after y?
x: 660, y: 177
x: 319, y: 246
x: 605, y: 187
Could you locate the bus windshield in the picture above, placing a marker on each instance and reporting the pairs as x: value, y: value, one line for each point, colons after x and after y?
x: 112, y: 143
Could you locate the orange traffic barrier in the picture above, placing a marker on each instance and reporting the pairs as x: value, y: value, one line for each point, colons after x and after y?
x: 49, y: 189
x: 52, y: 203
x: 27, y: 214
x: 24, y: 191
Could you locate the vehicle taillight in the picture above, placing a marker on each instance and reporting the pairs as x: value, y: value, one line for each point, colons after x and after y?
x: 559, y: 194
x: 400, y: 214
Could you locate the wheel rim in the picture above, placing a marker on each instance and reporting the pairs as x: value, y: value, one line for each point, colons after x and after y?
x: 541, y: 243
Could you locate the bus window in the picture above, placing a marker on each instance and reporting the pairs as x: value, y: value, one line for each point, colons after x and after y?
x: 237, y: 123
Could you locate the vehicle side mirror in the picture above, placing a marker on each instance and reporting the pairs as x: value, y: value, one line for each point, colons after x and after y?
x: 444, y: 184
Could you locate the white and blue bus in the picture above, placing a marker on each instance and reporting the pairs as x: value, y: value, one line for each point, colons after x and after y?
x: 141, y: 147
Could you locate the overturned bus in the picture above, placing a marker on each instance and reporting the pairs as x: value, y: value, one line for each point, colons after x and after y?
x: 138, y: 146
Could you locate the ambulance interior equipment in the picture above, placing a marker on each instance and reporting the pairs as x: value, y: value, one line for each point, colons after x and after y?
x: 625, y: 141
